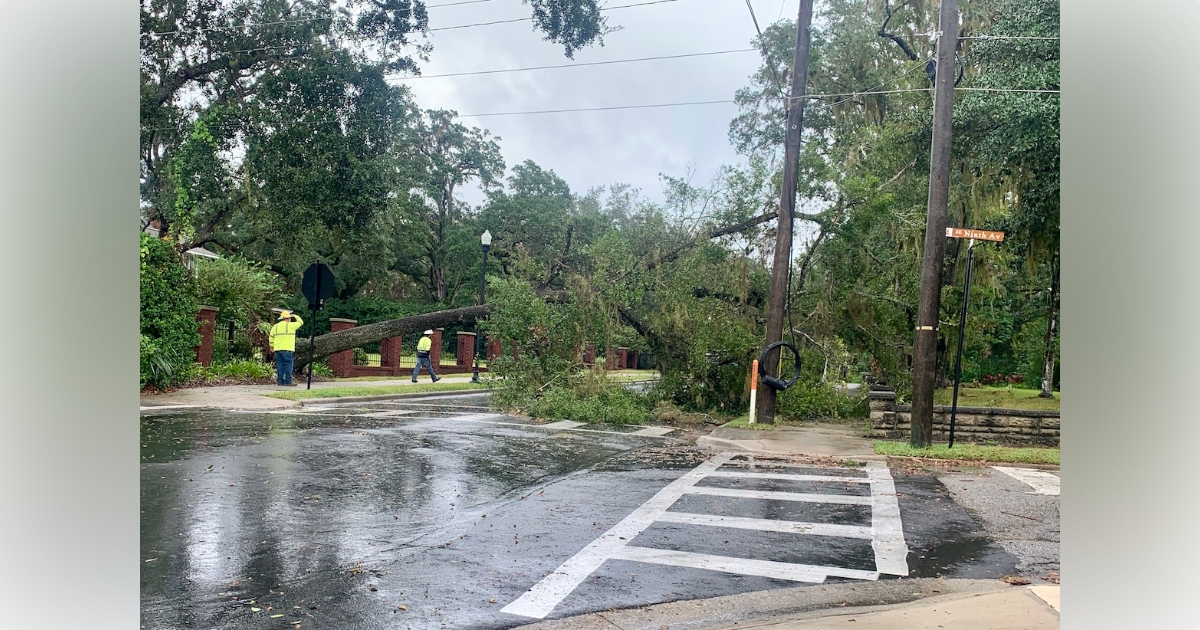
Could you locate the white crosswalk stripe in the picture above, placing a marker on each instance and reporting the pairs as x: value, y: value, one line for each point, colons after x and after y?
x: 886, y: 533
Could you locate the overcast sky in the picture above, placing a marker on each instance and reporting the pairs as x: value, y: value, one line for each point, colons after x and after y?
x: 601, y: 148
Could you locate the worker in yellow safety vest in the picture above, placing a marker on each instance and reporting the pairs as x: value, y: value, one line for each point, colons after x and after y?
x: 423, y: 347
x: 283, y: 344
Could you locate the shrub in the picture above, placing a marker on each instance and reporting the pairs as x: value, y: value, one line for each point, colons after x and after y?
x: 240, y: 368
x: 242, y: 291
x: 810, y: 401
x: 613, y: 406
x: 168, y: 315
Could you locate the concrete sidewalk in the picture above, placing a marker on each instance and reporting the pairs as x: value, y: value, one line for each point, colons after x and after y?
x: 917, y: 604
x: 815, y: 441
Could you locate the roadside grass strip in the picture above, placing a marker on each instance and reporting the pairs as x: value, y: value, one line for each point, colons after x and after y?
x: 886, y: 533
x: 972, y: 452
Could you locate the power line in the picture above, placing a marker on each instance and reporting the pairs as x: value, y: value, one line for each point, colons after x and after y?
x: 572, y: 65
x: 527, y: 19
x: 661, y: 105
x: 595, y: 109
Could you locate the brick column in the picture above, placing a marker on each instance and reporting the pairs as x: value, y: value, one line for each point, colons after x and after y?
x: 589, y: 355
x: 466, y: 349
x: 339, y: 362
x: 435, y: 352
x: 610, y: 359
x: 493, y: 347
x: 206, y: 319
x: 631, y: 360
x: 389, y: 355
x: 622, y: 358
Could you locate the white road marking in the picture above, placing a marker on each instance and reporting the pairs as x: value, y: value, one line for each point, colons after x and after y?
x: 563, y: 424
x: 742, y: 566
x: 654, y: 431
x: 387, y: 414
x: 844, y: 499
x: 768, y: 525
x: 538, y: 601
x: 1041, y: 481
x: 886, y: 535
x: 166, y: 407
x: 787, y: 476
x: 891, y: 552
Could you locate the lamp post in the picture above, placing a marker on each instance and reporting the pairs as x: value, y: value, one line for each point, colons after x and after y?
x: 486, y: 240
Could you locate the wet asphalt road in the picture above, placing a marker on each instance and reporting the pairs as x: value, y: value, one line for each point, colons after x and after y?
x: 438, y: 513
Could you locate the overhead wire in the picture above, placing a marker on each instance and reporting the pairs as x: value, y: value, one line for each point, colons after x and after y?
x: 441, y: 28
x: 570, y: 65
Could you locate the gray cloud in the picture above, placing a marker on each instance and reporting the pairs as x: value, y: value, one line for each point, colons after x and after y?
x: 592, y: 149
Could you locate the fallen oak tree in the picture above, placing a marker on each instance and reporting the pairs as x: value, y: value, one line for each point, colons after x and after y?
x: 334, y: 342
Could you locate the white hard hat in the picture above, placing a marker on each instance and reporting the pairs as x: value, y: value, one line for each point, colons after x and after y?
x: 428, y: 332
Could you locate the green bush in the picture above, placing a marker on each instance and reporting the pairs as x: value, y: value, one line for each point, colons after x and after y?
x: 612, y: 406
x: 168, y: 315
x: 240, y: 290
x: 240, y: 368
x: 811, y: 401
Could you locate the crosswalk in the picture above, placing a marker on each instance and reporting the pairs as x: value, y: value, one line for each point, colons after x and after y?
x: 885, y: 532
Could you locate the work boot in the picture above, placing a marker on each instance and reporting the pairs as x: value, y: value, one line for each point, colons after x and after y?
x: 436, y: 379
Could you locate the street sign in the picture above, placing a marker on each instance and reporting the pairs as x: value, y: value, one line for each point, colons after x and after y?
x: 318, y: 284
x: 979, y: 235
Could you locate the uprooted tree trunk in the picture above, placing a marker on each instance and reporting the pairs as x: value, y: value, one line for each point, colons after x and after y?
x: 334, y: 342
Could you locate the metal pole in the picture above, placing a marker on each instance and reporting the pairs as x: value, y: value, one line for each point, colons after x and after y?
x: 478, y: 334
x: 312, y: 325
x: 962, y: 325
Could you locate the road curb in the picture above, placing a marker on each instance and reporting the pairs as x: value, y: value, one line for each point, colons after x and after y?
x: 398, y: 396
x: 762, y: 608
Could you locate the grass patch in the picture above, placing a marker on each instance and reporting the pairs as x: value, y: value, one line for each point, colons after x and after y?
x: 973, y: 452
x: 339, y: 392
x: 743, y: 422
x: 997, y: 397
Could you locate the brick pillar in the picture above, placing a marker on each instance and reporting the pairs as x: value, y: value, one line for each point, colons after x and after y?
x: 466, y: 349
x: 206, y: 319
x: 435, y: 352
x: 610, y: 359
x: 631, y: 362
x: 493, y: 347
x: 514, y: 349
x: 389, y: 355
x: 589, y: 355
x: 339, y: 362
x: 622, y: 358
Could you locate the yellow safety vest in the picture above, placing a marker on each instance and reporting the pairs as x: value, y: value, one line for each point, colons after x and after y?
x: 283, y: 334
x: 424, y: 344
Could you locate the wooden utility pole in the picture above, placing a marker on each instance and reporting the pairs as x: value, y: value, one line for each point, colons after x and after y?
x: 929, y: 303
x: 787, y: 205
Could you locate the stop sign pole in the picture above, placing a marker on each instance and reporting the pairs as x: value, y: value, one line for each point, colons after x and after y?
x: 985, y: 235
x: 317, y: 285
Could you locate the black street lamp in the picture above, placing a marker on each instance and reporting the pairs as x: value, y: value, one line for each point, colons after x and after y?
x: 486, y: 240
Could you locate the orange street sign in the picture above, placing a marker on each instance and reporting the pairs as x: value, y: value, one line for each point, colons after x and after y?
x: 979, y: 235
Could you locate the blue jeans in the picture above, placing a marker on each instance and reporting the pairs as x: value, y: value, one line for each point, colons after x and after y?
x: 283, y: 366
x: 423, y: 360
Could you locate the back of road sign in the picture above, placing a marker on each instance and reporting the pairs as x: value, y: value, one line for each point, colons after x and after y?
x: 315, y: 291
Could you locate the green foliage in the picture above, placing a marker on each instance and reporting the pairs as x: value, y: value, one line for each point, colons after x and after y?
x: 242, y: 291
x: 815, y: 401
x: 239, y: 369
x: 168, y: 315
